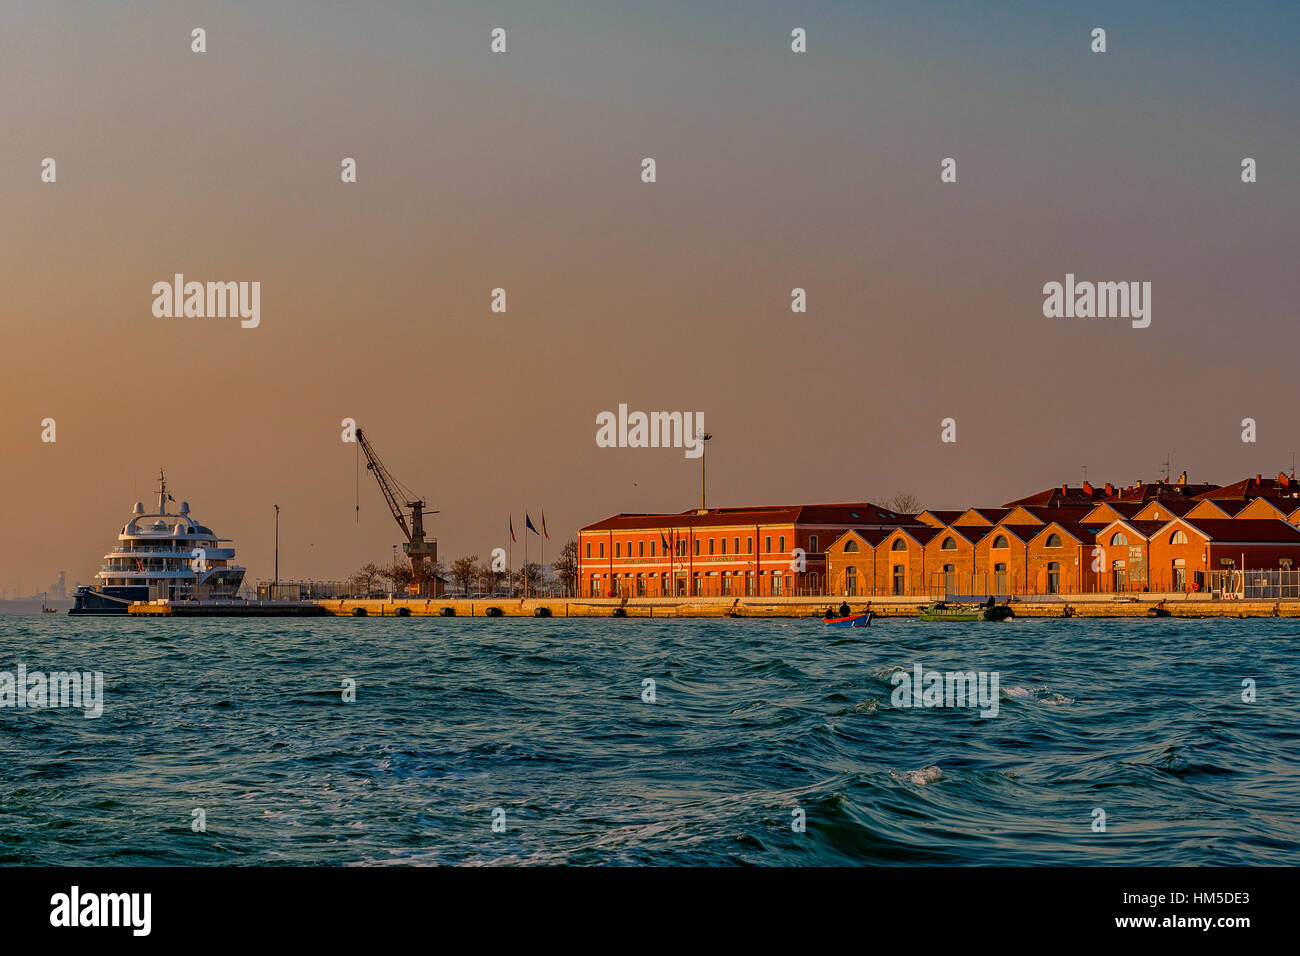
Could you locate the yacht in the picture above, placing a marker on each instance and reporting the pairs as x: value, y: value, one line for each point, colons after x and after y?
x: 162, y: 556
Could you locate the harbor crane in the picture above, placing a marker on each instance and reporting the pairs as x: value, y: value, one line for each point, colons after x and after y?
x: 423, y: 554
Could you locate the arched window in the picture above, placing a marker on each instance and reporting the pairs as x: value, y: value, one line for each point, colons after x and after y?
x: 1118, y: 538
x: 1178, y: 537
x: 1053, y: 541
x: 899, y: 544
x: 1000, y: 541
x: 850, y: 547
x: 949, y: 544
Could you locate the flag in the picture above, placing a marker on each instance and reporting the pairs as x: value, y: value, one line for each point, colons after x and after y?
x: 512, y: 527
x: 528, y: 523
x: 545, y: 533
x: 665, y: 542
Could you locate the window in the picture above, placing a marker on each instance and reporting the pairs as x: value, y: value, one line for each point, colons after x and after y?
x: 629, y: 549
x: 749, y: 545
x: 724, y: 545
x: 780, y: 544
x: 1178, y: 537
x: 1000, y: 541
x: 851, y: 581
x: 949, y: 544
x: 588, y: 549
x: 726, y: 580
x: 1118, y: 538
x: 813, y: 581
x: 1053, y: 541
x: 652, y: 549
x: 697, y: 551
x: 812, y: 544
x: 898, y: 545
x: 602, y: 549
x: 767, y: 544
x: 736, y: 542
x: 900, y: 580
x: 850, y: 547
x: 640, y: 549
x: 776, y: 583
x: 618, y: 549
x: 710, y: 546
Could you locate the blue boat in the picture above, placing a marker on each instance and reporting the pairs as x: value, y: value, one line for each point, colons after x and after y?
x: 853, y: 620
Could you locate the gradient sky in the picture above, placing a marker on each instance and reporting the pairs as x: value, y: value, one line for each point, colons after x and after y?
x: 522, y: 170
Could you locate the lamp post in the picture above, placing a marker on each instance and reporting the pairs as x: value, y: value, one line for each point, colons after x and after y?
x: 704, y: 438
x: 275, y: 585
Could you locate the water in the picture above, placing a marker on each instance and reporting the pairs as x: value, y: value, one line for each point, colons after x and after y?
x: 752, y: 720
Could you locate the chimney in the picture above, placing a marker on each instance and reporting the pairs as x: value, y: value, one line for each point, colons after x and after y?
x: 1088, y: 489
x: 1110, y: 490
x: 1139, y: 484
x: 1182, y: 479
x: 1065, y: 489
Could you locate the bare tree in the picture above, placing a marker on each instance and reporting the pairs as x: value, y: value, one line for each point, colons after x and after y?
x: 464, y: 571
x: 566, y: 567
x: 488, y: 577
x: 367, y: 576
x: 399, y: 575
x: 904, y: 503
x: 528, y: 577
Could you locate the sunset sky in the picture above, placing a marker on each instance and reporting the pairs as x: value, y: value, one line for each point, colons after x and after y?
x: 522, y: 170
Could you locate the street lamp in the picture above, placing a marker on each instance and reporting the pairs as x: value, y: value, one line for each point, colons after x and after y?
x: 275, y: 586
x: 704, y: 438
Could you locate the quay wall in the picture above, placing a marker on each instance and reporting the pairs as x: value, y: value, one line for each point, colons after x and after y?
x: 1082, y: 606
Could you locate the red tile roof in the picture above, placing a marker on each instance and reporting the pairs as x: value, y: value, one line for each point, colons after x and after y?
x: 1246, y: 530
x: 852, y: 513
x: 1256, y: 487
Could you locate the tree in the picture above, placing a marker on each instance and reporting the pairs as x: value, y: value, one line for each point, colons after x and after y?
x: 367, y: 577
x: 398, y: 574
x: 904, y: 503
x: 528, y: 578
x: 488, y: 578
x: 566, y: 567
x: 464, y: 571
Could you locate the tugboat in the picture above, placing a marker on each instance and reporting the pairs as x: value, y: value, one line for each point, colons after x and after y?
x: 161, y: 556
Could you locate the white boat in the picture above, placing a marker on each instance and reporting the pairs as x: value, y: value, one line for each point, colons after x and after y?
x: 162, y: 556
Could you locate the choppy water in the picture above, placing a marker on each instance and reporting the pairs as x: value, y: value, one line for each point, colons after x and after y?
x: 752, y: 720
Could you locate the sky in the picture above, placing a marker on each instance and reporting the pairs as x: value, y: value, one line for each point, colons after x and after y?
x: 522, y: 170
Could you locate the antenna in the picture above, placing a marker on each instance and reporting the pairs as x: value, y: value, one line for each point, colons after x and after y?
x: 1166, y: 467
x: 1085, y: 474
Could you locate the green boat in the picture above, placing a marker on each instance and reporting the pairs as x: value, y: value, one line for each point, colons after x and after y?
x: 964, y: 612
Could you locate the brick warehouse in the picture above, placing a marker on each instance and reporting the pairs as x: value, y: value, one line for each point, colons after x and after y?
x: 1154, y: 537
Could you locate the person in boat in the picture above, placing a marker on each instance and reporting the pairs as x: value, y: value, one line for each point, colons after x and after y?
x: 845, y: 610
x: 990, y: 601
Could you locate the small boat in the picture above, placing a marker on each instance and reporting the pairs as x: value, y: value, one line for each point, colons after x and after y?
x: 964, y: 612
x: 853, y: 620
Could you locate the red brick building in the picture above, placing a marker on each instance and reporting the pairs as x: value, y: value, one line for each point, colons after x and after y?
x: 720, y: 552
x: 1155, y: 537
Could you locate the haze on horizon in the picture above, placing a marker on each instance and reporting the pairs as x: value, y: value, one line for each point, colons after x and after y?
x: 522, y: 170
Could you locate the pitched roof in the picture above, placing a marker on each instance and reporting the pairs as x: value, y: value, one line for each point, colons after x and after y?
x: 1283, y: 486
x: 852, y: 513
x: 1245, y: 530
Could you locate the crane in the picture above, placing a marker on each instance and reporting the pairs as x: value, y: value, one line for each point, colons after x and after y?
x: 422, y: 554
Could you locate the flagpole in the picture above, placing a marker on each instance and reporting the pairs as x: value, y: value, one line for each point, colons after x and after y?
x: 524, y: 570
